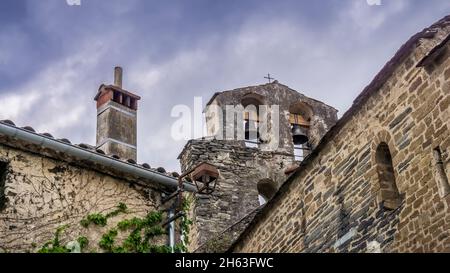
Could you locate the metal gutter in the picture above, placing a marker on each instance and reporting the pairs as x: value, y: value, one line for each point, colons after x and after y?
x: 83, y: 154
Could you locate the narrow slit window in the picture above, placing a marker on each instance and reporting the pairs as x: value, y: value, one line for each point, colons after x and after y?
x: 390, y: 196
x: 440, y: 175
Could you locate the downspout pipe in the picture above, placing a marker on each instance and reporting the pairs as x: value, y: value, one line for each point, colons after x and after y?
x: 171, y: 230
x: 83, y: 154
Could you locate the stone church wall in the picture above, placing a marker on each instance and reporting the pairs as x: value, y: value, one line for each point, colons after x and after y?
x: 339, y: 202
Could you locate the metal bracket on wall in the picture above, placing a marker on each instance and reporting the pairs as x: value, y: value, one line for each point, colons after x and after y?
x: 171, y: 196
x: 173, y: 218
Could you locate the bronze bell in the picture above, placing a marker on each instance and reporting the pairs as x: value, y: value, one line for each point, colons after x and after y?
x: 299, y: 134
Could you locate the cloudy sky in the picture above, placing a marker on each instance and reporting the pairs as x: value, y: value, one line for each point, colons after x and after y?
x: 54, y: 56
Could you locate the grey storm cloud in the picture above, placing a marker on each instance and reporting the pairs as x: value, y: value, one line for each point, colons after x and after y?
x: 54, y: 56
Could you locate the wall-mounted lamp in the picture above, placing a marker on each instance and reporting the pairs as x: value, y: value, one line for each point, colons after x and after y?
x: 203, y: 175
x: 205, y: 178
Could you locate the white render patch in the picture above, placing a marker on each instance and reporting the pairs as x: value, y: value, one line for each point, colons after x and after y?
x: 345, y: 238
x: 374, y: 247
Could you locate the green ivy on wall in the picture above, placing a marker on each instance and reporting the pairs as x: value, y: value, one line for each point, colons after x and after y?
x: 185, y: 225
x: 139, y: 233
x: 100, y: 219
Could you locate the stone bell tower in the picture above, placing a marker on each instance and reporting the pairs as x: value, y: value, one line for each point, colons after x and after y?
x: 251, y: 171
x: 117, y: 119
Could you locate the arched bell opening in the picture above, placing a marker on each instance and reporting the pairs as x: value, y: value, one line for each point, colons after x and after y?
x: 300, y: 115
x: 251, y: 119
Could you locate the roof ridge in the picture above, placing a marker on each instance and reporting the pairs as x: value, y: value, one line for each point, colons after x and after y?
x: 262, y: 85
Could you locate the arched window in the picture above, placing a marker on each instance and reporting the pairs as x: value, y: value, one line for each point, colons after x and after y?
x: 390, y: 197
x: 266, y: 190
x: 251, y: 103
x: 300, y: 116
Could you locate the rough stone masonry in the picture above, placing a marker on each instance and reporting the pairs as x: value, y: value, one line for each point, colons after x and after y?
x: 379, y: 180
x: 249, y: 174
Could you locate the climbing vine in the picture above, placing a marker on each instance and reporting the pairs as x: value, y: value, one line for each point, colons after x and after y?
x: 139, y: 234
x: 83, y: 241
x: 185, y: 226
x: 54, y: 246
x: 100, y: 219
x: 142, y: 231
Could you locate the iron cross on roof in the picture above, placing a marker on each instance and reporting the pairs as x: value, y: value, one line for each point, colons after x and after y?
x: 269, y: 78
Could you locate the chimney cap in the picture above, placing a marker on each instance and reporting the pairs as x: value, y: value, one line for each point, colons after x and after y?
x: 115, y: 88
